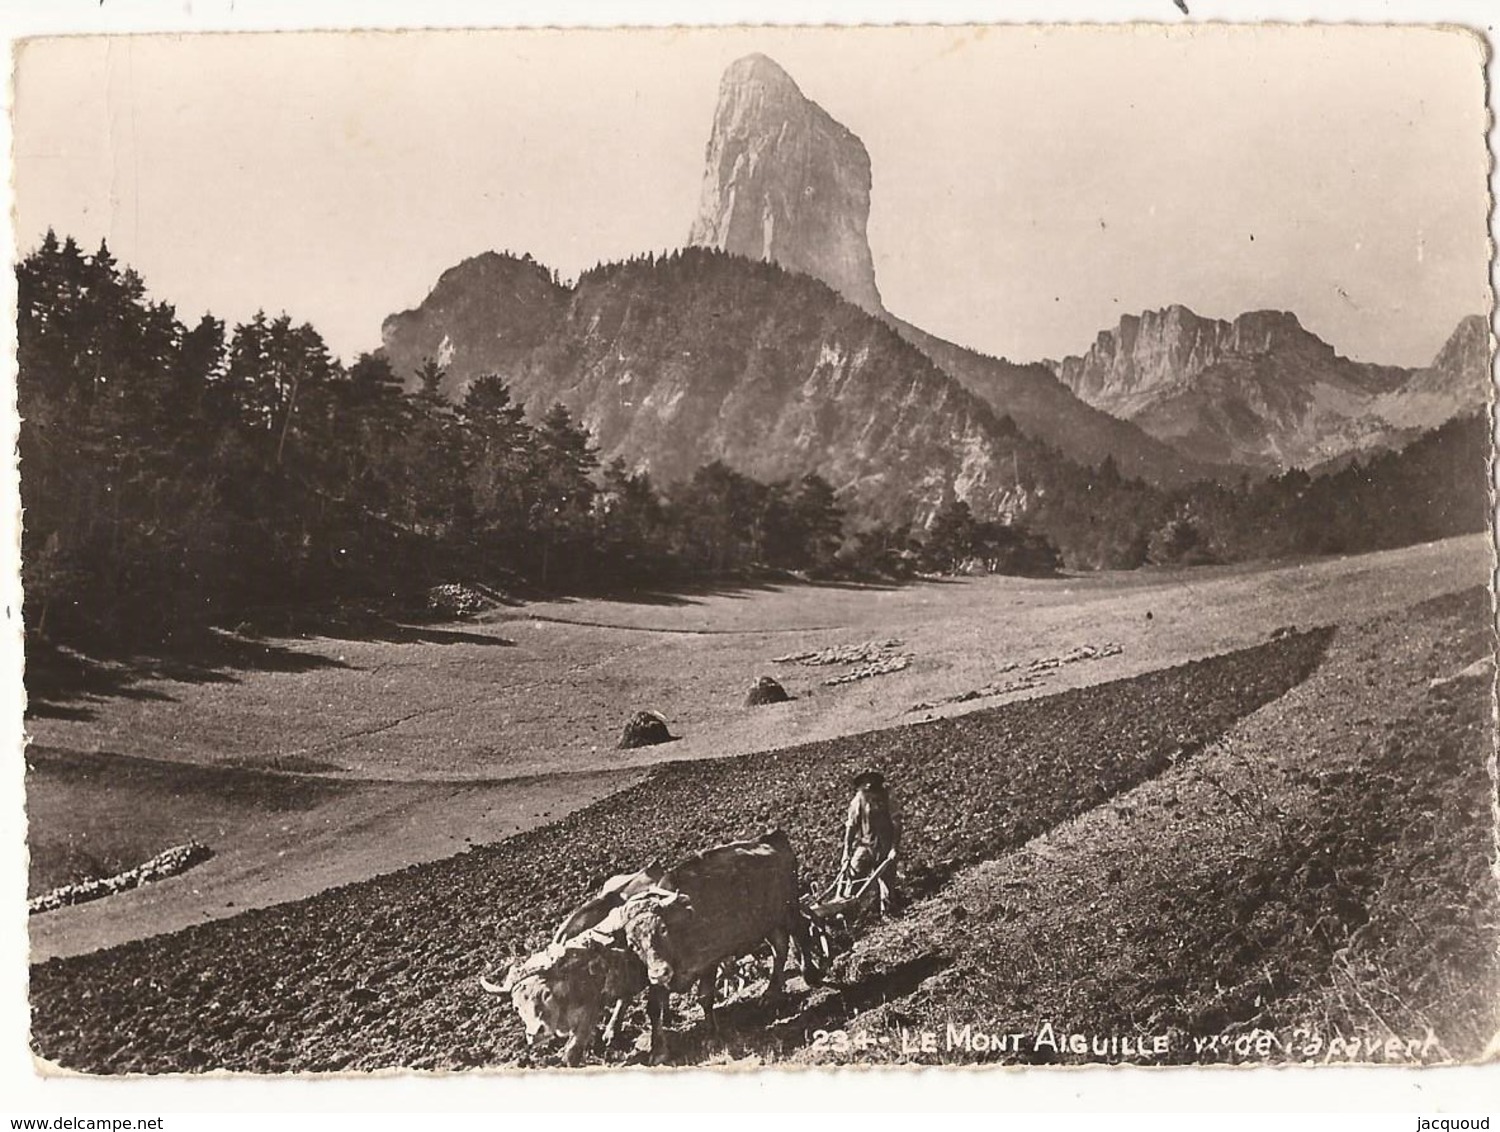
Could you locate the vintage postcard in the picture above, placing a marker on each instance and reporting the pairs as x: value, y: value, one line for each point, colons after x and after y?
x: 759, y: 548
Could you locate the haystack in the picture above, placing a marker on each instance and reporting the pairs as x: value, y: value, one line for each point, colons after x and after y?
x: 766, y: 690
x: 644, y: 729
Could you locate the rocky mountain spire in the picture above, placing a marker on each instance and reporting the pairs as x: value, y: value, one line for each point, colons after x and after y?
x: 786, y: 182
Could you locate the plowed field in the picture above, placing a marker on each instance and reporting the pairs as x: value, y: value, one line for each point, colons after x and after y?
x: 383, y: 973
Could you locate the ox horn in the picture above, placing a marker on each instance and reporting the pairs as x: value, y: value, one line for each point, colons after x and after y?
x: 666, y: 895
x: 505, y: 984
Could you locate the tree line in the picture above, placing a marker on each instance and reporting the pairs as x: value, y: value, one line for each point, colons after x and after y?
x: 1435, y: 487
x: 175, y: 476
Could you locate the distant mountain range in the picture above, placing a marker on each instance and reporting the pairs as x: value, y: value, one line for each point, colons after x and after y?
x: 1261, y: 391
x: 766, y: 344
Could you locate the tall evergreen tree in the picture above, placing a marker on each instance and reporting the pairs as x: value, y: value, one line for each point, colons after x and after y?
x: 562, y: 492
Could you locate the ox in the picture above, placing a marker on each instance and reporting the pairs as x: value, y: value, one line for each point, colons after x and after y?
x: 563, y: 990
x: 614, y: 892
x: 718, y: 904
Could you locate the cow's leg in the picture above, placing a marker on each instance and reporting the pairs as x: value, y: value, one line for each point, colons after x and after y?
x: 572, y: 1051
x: 613, y: 1024
x: 708, y: 986
x: 778, y: 940
x: 585, y: 1024
x: 656, y: 1010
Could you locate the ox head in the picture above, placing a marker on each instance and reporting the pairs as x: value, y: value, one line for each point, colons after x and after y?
x: 645, y: 920
x: 537, y: 1003
x: 508, y: 968
x: 525, y: 980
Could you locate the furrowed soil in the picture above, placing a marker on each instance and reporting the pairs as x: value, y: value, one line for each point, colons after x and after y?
x: 384, y: 973
x: 1314, y: 887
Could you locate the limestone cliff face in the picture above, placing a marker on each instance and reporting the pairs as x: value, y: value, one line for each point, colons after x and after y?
x: 1149, y: 356
x: 1258, y: 391
x: 785, y: 182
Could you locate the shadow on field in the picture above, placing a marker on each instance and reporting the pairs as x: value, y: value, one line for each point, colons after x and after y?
x: 93, y: 815
x: 285, y: 787
x: 61, y: 682
x: 865, y: 991
x: 352, y: 624
x: 695, y: 592
x: 752, y: 1027
x: 393, y: 633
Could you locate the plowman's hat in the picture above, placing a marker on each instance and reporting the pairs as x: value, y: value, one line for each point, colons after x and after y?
x: 869, y: 778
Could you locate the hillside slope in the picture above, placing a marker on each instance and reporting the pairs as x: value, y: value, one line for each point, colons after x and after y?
x: 1316, y: 888
x: 672, y: 363
x: 1043, y: 406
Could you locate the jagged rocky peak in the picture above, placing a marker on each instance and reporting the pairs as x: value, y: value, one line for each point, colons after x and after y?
x: 1160, y: 348
x: 1264, y: 391
x: 1463, y: 364
x: 786, y: 182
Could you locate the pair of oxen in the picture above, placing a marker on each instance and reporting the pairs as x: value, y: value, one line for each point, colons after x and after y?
x: 665, y: 930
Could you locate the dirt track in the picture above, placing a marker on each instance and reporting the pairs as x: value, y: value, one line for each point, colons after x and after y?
x: 275, y: 841
x: 382, y: 973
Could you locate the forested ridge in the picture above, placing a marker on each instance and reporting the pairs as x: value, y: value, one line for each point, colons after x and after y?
x: 176, y: 475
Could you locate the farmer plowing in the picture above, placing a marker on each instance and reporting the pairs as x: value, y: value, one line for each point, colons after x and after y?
x: 699, y: 925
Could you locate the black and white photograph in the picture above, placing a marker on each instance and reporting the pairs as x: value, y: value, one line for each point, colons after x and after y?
x: 756, y: 548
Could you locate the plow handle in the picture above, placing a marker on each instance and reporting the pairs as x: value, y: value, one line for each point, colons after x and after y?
x: 822, y: 896
x: 874, y: 876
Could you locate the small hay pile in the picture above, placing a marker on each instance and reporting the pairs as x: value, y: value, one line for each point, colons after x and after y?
x: 644, y: 729
x: 766, y: 690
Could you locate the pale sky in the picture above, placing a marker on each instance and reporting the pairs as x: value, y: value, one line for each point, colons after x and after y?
x: 1029, y: 186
